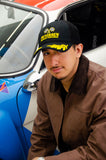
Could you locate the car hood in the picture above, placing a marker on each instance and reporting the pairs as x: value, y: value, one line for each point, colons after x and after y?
x: 47, y: 5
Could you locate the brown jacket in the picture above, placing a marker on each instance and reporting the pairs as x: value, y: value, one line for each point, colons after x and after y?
x: 81, y: 120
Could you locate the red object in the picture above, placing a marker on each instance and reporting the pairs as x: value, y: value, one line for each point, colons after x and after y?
x: 47, y: 5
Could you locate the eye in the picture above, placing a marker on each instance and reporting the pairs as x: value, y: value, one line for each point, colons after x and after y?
x: 46, y: 53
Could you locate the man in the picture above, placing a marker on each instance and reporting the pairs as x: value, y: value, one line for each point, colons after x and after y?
x: 71, y: 100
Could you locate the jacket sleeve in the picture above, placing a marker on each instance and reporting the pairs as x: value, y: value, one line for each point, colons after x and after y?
x: 42, y: 139
x: 95, y: 149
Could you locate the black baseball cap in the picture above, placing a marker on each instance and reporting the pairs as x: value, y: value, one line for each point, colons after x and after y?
x: 58, y: 35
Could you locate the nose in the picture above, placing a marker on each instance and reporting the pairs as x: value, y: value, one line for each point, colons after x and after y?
x: 54, y: 60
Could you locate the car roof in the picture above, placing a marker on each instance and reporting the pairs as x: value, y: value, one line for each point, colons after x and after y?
x: 47, y: 5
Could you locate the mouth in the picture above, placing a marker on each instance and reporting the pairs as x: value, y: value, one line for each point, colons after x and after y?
x: 56, y: 70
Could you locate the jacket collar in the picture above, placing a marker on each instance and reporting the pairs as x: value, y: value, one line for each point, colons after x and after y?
x: 79, y: 82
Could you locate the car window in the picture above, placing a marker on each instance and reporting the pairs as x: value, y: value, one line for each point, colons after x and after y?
x: 12, y: 22
x: 90, y: 18
x: 19, y: 31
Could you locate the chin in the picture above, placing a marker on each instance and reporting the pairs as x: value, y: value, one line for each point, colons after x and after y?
x: 59, y: 77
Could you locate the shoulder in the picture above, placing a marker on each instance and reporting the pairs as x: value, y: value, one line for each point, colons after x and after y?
x: 45, y: 82
x: 97, y: 71
x: 96, y: 75
x: 96, y: 87
x: 46, y: 79
x: 97, y: 81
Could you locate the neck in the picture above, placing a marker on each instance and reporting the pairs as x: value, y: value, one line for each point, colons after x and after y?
x: 66, y: 82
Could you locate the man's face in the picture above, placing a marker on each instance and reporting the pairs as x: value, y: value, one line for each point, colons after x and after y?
x: 62, y: 65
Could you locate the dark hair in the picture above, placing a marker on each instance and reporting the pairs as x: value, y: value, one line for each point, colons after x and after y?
x: 74, y: 45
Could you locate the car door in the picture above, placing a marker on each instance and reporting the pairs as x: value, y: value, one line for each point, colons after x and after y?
x: 27, y: 97
x: 89, y: 17
x: 19, y: 29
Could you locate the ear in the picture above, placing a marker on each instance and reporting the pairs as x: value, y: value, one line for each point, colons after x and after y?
x: 79, y: 49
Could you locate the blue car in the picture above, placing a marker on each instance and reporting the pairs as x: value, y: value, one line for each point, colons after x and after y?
x: 20, y: 69
x: 19, y: 29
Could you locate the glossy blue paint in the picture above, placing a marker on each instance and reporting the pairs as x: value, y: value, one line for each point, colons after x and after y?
x: 27, y: 135
x: 13, y: 143
x: 12, y: 150
x: 8, y: 101
x: 23, y: 103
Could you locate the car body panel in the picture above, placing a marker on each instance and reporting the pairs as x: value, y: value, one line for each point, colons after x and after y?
x: 47, y: 5
x: 11, y: 120
x: 16, y: 151
x: 7, y: 98
x: 95, y: 54
x: 14, y: 102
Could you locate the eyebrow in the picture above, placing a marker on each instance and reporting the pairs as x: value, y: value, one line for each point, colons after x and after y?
x: 44, y: 50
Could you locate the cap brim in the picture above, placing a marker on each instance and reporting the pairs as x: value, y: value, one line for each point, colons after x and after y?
x: 55, y: 46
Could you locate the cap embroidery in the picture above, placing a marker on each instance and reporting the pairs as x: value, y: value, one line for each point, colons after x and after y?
x: 59, y: 47
x: 50, y: 35
x: 52, y: 29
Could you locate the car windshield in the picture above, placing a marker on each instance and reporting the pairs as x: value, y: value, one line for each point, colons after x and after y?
x: 19, y: 31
